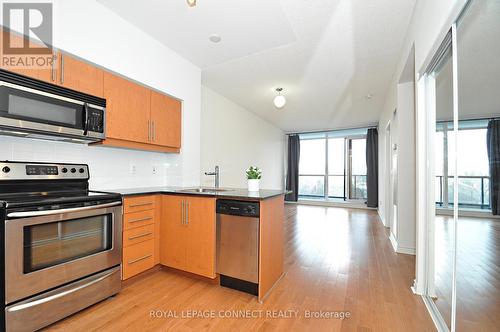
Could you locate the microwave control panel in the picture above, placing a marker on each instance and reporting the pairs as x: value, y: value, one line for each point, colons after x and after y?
x: 96, y: 120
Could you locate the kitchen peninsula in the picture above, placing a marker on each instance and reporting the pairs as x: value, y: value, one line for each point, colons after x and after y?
x: 176, y: 227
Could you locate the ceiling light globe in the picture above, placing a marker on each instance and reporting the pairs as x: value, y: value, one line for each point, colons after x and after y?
x: 279, y: 101
x: 191, y: 3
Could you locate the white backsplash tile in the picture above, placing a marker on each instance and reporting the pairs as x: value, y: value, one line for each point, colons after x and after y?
x: 110, y: 168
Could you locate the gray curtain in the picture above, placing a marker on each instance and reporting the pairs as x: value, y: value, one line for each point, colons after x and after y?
x: 372, y: 167
x: 292, y: 174
x: 493, y: 141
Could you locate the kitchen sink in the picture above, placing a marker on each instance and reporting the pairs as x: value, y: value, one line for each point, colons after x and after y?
x: 203, y: 190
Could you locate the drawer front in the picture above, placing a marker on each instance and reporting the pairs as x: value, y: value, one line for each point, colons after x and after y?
x: 138, y: 234
x: 138, y: 203
x: 138, y: 258
x: 138, y: 219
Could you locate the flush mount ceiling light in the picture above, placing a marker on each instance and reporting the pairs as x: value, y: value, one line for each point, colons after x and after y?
x: 215, y: 38
x: 191, y: 3
x: 279, y: 100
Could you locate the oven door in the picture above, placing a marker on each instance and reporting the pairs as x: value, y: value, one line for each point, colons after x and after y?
x: 45, y: 250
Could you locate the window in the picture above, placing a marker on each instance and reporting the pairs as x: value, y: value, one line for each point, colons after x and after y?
x: 336, y: 164
x: 312, y: 167
x: 473, y: 169
x: 333, y: 165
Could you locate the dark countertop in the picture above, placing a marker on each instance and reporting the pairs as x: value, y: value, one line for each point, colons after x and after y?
x: 230, y: 193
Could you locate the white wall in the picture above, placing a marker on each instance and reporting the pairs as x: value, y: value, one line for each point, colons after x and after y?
x: 430, y: 23
x: 89, y: 30
x: 234, y: 139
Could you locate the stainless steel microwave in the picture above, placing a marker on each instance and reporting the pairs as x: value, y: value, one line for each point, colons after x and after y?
x: 36, y: 109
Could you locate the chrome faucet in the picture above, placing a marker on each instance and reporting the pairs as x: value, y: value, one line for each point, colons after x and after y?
x: 216, y: 174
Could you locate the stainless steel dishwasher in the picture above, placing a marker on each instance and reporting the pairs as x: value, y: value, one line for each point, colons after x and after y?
x: 238, y: 245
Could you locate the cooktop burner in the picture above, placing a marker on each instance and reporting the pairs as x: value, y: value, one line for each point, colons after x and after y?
x: 35, y: 184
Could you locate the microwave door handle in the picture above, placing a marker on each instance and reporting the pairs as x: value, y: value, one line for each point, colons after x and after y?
x: 59, y: 211
x: 85, y: 118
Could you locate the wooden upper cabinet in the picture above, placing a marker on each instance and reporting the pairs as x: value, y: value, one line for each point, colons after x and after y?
x: 127, y: 109
x: 46, y: 73
x: 79, y: 75
x: 166, y: 120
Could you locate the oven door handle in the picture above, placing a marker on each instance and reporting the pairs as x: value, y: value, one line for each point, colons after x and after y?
x: 59, y: 211
x: 62, y: 294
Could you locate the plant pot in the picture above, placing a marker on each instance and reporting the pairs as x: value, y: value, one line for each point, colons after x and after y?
x: 253, y: 184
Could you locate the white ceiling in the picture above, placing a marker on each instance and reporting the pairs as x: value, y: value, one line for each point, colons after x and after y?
x: 326, y: 54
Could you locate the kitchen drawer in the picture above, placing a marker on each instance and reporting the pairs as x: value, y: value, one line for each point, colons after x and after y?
x: 138, y: 203
x: 138, y: 234
x: 138, y: 219
x: 138, y: 258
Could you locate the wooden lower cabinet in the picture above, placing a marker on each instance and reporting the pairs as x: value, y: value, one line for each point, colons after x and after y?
x: 140, y: 234
x: 187, y: 232
x: 138, y: 258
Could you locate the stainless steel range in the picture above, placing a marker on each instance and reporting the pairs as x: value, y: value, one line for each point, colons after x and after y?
x: 62, y: 243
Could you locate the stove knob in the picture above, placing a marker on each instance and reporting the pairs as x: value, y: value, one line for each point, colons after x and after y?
x: 73, y: 170
x: 64, y: 170
x: 81, y: 170
x: 6, y: 169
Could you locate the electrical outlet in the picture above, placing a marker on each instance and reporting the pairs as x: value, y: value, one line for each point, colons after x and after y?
x: 133, y: 169
x: 155, y: 169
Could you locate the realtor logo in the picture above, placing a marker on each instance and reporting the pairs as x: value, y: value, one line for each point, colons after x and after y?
x: 33, y: 20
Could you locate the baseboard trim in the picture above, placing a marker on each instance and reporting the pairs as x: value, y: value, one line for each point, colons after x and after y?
x: 382, y: 219
x: 406, y: 250
x: 333, y: 204
x: 394, y: 242
x: 435, y: 315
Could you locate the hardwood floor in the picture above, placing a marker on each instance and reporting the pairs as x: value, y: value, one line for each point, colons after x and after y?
x: 478, y: 272
x: 336, y: 259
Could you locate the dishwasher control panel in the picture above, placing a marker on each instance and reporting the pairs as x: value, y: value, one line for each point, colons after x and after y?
x: 238, y: 208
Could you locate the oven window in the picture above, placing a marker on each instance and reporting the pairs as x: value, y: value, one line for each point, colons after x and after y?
x: 54, y: 243
x: 40, y: 110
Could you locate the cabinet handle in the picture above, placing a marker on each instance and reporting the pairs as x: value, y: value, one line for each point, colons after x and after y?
x: 140, y: 219
x: 141, y: 204
x: 62, y: 68
x: 154, y: 131
x: 139, y: 236
x: 187, y: 213
x: 182, y: 212
x: 139, y: 259
x: 149, y: 131
x: 53, y: 68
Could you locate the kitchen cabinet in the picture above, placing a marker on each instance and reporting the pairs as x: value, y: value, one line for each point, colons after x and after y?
x: 165, y: 120
x: 79, y: 75
x: 127, y: 109
x: 137, y: 117
x: 46, y: 73
x: 140, y: 234
x: 187, y: 233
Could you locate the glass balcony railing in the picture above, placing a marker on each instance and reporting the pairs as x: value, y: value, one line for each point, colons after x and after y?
x: 473, y: 192
x: 314, y: 186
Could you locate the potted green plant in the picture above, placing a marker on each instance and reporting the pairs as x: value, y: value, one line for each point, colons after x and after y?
x: 253, y: 176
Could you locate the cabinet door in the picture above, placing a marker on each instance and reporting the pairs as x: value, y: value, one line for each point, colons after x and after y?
x: 166, y: 120
x: 127, y: 109
x: 45, y: 74
x: 201, y: 236
x: 173, y: 232
x: 80, y: 76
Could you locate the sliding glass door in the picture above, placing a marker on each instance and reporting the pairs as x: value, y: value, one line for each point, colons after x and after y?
x: 333, y: 166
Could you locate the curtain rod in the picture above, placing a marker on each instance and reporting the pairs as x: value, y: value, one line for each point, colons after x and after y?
x: 328, y: 130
